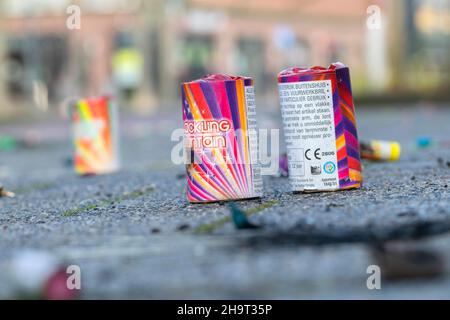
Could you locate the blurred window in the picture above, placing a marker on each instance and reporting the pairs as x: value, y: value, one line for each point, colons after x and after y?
x: 196, y: 55
x: 35, y: 58
x: 251, y: 60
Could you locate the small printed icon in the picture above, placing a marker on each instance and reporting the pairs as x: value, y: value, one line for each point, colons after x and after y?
x: 329, y: 167
x: 316, y: 153
x: 316, y: 170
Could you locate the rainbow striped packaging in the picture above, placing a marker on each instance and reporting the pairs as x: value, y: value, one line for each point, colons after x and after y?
x: 95, y: 136
x: 320, y: 128
x: 221, y: 144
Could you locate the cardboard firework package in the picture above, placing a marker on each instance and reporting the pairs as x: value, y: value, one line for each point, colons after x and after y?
x: 320, y: 128
x: 95, y: 136
x: 221, y: 144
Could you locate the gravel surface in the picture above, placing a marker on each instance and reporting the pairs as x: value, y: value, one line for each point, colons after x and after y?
x: 135, y: 236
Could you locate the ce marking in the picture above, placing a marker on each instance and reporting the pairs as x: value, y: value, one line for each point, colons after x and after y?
x: 316, y: 154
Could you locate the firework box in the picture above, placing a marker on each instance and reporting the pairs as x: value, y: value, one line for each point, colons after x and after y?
x: 320, y: 128
x: 95, y: 136
x: 220, y: 145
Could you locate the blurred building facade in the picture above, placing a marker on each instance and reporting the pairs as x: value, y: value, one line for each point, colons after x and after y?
x: 44, y: 61
x: 147, y: 47
x: 260, y: 38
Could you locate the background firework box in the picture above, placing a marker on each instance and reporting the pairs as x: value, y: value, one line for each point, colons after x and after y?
x: 221, y: 145
x: 320, y: 128
x: 95, y: 136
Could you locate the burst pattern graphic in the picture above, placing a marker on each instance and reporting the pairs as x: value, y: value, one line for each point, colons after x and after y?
x: 94, y: 136
x: 225, y: 172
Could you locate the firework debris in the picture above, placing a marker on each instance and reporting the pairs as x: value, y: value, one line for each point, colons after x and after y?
x: 443, y: 163
x: 406, y: 261
x: 210, y: 227
x: 40, y: 275
x: 28, y: 140
x: 239, y: 218
x: 6, y: 193
x: 423, y: 142
x: 380, y: 150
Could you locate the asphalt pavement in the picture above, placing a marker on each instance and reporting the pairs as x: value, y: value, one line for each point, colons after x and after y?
x: 134, y: 235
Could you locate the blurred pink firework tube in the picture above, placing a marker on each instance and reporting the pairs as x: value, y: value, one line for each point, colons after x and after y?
x: 95, y: 136
x: 320, y: 128
x: 221, y: 144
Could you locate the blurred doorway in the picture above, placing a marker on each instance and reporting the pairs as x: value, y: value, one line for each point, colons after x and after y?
x: 251, y: 61
x: 32, y: 58
x: 197, y: 56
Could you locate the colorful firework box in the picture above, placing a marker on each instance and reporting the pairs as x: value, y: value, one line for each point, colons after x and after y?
x: 320, y: 128
x: 221, y: 144
x: 95, y: 136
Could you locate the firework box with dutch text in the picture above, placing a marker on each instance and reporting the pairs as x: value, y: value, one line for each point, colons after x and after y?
x: 319, y: 125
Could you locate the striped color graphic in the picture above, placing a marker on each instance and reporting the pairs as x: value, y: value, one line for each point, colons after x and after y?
x: 349, y: 160
x: 94, y: 136
x: 220, y: 164
x: 347, y: 146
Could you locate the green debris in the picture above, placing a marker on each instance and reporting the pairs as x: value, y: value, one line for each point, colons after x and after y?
x: 239, y: 218
x: 261, y: 207
x: 38, y: 186
x: 75, y: 211
x: 7, y: 143
x: 131, y: 195
x: 210, y: 227
x: 108, y: 202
